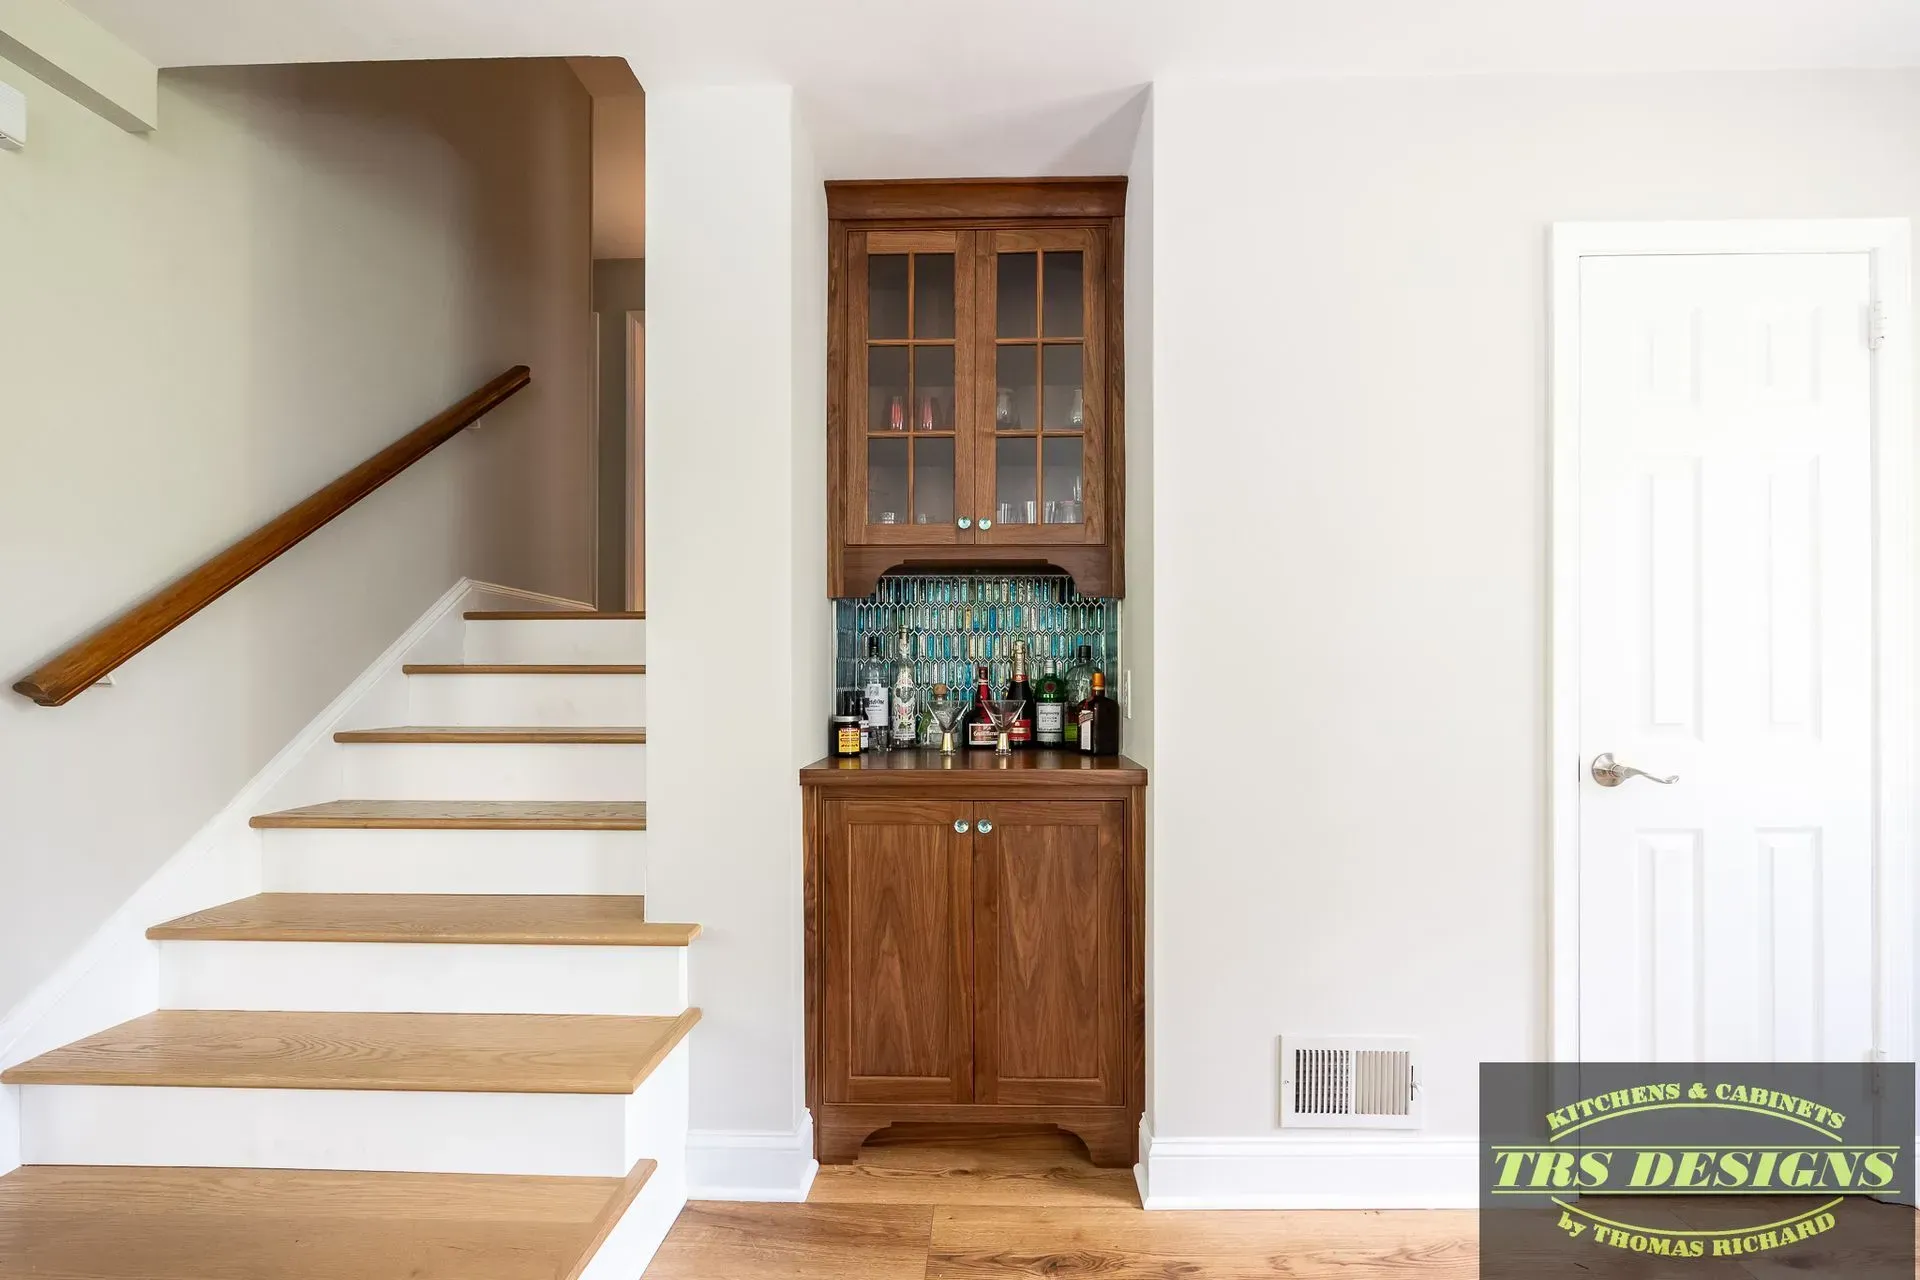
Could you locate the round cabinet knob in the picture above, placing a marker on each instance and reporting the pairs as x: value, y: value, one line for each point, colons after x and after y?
x: 985, y: 523
x: 986, y: 828
x: 961, y: 827
x: 966, y: 522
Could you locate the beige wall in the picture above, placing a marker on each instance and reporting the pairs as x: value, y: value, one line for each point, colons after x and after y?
x: 1349, y: 390
x: 199, y: 327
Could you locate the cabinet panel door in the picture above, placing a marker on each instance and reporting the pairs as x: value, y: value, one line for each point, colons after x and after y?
x: 1050, y: 954
x: 1041, y: 404
x: 899, y: 953
x: 910, y: 386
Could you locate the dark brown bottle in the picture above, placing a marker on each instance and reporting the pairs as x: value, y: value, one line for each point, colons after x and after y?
x: 1020, y: 737
x: 1099, y: 718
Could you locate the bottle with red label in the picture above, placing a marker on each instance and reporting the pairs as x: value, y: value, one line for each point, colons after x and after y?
x: 979, y: 731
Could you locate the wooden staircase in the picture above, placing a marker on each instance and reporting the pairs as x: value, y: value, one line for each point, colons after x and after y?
x: 445, y: 1042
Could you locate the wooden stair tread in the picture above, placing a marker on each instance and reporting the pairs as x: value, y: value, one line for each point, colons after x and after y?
x: 553, y: 920
x: 500, y: 733
x: 438, y: 1052
x: 468, y: 815
x: 83, y: 1222
x: 552, y: 615
x: 523, y: 669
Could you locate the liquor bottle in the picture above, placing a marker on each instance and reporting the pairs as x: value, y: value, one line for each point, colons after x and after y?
x: 979, y: 728
x: 1020, y: 736
x: 879, y: 721
x: 1050, y: 709
x: 1099, y: 722
x: 1079, y: 687
x: 906, y: 698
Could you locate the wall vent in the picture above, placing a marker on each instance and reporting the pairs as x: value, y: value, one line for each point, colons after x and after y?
x: 1349, y: 1082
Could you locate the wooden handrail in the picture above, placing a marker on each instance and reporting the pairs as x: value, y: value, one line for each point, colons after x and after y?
x: 82, y: 665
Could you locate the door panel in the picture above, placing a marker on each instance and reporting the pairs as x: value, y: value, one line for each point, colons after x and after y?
x: 899, y: 1023
x: 1726, y: 636
x: 910, y: 386
x: 1040, y: 403
x: 1050, y: 954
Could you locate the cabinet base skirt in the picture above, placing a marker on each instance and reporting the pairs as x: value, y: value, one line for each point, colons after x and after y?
x: 1112, y: 1134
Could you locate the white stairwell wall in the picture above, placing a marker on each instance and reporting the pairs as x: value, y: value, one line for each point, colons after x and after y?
x: 200, y: 327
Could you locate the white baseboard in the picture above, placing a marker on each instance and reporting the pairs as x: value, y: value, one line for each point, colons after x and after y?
x: 736, y: 1164
x: 1361, y: 1171
x: 115, y: 975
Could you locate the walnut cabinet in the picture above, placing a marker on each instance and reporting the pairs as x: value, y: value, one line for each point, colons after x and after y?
x: 974, y: 946
x: 974, y: 379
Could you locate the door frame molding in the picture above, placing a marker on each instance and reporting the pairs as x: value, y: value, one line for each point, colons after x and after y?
x: 1886, y: 242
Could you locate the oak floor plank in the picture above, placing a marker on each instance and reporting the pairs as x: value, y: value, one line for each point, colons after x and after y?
x: 438, y: 1052
x: 499, y: 734
x: 974, y: 1165
x: 87, y: 1223
x: 487, y: 919
x: 975, y: 1242
x: 713, y: 1241
x: 463, y: 815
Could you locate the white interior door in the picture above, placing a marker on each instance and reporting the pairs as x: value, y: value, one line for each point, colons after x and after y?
x: 1725, y: 627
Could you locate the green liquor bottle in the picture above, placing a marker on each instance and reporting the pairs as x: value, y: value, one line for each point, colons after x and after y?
x: 1050, y: 708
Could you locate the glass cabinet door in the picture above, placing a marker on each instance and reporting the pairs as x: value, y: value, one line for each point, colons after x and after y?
x: 1039, y: 445
x: 909, y: 396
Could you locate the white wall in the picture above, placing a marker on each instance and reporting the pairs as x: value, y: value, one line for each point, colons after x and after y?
x: 736, y: 594
x: 199, y: 327
x: 1136, y: 612
x: 1349, y: 317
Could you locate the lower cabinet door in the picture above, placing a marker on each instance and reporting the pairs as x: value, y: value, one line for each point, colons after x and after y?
x: 898, y: 952
x: 1050, y: 954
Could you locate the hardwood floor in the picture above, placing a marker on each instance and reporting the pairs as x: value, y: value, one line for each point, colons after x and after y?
x: 927, y: 1203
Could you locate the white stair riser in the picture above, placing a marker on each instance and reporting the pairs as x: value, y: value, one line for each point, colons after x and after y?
x: 412, y: 977
x: 587, y: 1135
x: 375, y: 861
x: 494, y: 771
x: 528, y: 699
x: 576, y: 640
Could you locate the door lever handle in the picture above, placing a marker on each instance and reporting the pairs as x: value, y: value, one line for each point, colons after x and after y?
x: 1609, y: 772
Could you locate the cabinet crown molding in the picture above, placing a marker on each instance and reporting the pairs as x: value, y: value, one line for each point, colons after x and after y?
x: 893, y: 200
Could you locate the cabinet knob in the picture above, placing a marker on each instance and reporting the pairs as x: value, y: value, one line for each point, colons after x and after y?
x: 985, y: 523
x: 961, y: 826
x: 965, y: 522
x: 986, y: 828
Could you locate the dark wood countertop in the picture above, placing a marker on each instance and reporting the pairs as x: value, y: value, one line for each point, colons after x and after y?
x: 918, y: 768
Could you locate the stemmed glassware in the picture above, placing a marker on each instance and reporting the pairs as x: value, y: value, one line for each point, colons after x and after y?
x: 1001, y: 713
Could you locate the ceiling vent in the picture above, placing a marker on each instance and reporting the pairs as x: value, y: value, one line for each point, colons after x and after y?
x: 1349, y: 1082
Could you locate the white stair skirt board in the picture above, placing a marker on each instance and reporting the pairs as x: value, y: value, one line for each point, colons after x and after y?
x: 1362, y: 1171
x: 494, y: 771
x: 640, y: 1231
x: 731, y: 1164
x: 423, y: 977
x: 550, y: 700
x: 593, y: 640
x: 376, y: 861
x: 592, y: 1135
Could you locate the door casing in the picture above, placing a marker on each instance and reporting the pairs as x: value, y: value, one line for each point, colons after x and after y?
x: 1886, y: 242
